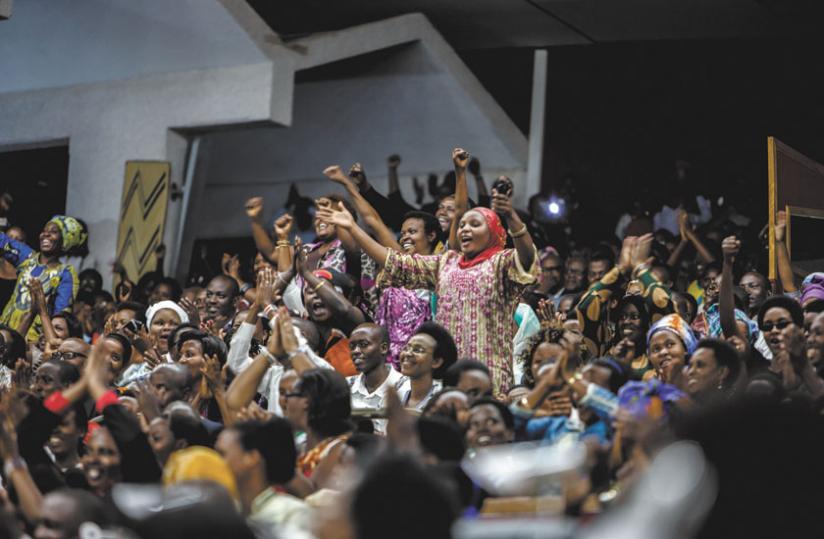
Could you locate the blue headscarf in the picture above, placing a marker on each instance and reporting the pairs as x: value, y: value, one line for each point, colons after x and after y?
x: 652, y: 398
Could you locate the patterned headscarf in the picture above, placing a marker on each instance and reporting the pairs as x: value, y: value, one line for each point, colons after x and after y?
x: 546, y: 252
x: 71, y: 231
x: 497, y: 238
x: 677, y: 326
x: 651, y: 399
x: 812, y: 288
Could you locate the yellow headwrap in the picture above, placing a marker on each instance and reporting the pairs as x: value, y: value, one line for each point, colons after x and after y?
x: 198, y: 463
x: 71, y: 230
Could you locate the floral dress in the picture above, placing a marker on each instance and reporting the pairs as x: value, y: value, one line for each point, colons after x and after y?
x: 477, y: 304
x: 401, y: 312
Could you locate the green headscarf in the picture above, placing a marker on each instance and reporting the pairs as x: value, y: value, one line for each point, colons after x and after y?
x: 71, y: 231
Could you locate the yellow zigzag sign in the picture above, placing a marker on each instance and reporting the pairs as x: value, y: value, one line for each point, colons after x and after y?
x: 142, y: 215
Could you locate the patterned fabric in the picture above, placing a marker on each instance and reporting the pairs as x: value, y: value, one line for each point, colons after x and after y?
x: 678, y: 326
x: 648, y: 399
x: 593, y: 309
x: 334, y: 258
x: 371, y: 293
x: 714, y: 323
x: 812, y: 288
x: 477, y: 305
x: 6, y: 378
x: 310, y: 460
x: 59, y: 284
x: 401, y: 312
x: 71, y: 231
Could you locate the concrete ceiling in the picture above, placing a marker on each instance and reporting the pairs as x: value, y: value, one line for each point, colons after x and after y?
x: 480, y: 24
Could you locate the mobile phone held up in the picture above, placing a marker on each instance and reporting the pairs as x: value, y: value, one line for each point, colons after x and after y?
x: 134, y: 326
x: 502, y: 185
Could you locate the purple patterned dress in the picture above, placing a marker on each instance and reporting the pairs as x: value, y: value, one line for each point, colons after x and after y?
x: 401, y: 312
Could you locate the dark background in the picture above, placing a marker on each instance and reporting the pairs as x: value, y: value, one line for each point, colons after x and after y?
x: 618, y: 116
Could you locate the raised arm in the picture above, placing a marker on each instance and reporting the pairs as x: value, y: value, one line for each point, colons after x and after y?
x: 460, y: 159
x: 475, y: 170
x: 336, y: 301
x: 254, y: 210
x: 364, y: 208
x: 502, y: 204
x: 785, y: 271
x: 29, y: 497
x: 677, y: 252
x: 343, y: 219
x: 726, y: 296
x: 13, y: 251
x: 283, y: 249
x: 688, y: 233
x: 40, y: 307
x: 392, y: 163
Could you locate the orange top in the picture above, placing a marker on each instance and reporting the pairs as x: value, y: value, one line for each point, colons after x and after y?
x: 338, y: 355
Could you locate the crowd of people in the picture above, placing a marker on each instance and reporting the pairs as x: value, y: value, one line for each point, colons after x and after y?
x: 338, y: 387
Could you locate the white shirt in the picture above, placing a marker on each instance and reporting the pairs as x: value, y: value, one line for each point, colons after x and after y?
x: 362, y: 399
x: 239, y: 360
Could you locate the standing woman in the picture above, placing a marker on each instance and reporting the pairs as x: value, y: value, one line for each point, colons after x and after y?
x: 61, y: 236
x: 478, y: 288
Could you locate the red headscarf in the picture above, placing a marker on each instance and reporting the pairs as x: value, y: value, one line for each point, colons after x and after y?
x: 497, y: 239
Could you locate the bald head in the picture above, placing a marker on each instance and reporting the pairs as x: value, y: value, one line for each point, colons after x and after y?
x: 171, y: 382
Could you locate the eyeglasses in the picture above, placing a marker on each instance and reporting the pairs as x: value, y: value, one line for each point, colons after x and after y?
x: 416, y: 349
x: 66, y: 356
x: 766, y: 327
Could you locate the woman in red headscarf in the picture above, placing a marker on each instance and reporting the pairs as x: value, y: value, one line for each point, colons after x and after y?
x: 478, y: 287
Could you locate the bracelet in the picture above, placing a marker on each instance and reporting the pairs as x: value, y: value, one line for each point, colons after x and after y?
x: 268, y: 309
x: 245, y: 288
x: 519, y: 233
x: 268, y: 355
x: 283, y: 243
x: 300, y: 350
x: 319, y: 285
x: 577, y: 377
x: 13, y: 464
x: 640, y: 268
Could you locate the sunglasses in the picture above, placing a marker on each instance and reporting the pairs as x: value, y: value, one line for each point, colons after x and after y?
x: 781, y: 324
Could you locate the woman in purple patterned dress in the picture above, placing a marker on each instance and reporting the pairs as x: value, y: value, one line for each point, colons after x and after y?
x: 401, y: 311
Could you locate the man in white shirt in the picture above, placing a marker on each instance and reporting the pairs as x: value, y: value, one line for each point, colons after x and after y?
x: 369, y: 347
